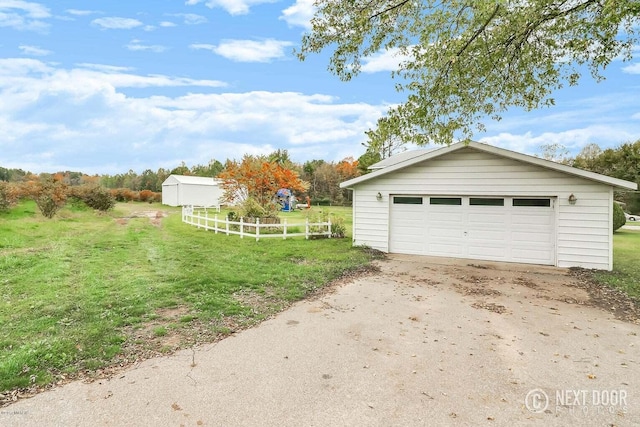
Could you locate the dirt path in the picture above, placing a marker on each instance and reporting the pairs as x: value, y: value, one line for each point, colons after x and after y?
x: 426, y: 341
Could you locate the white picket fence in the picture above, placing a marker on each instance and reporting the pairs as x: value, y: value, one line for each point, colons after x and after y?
x: 199, y: 216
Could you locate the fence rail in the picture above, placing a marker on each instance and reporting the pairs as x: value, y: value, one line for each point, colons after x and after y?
x: 199, y: 217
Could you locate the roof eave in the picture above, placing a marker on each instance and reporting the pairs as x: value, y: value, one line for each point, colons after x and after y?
x: 603, y: 179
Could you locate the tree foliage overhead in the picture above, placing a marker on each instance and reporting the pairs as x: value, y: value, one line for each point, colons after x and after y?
x: 462, y: 60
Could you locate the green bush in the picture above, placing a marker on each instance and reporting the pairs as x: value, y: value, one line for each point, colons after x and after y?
x: 95, y: 197
x: 618, y: 217
x: 338, y: 228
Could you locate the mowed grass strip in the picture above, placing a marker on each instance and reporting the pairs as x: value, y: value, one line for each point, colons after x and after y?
x: 626, y: 263
x: 74, y: 289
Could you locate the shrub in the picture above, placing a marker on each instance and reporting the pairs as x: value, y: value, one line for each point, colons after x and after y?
x: 99, y: 198
x: 338, y: 227
x: 618, y: 217
x: 50, y: 196
x: 250, y: 208
x: 146, y: 196
x: 8, y: 195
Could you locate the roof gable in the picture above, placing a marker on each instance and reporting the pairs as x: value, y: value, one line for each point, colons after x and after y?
x: 426, y: 155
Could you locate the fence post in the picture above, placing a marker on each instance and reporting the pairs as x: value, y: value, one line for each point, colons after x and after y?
x: 257, y: 229
x: 306, y: 229
x: 241, y: 227
x: 199, y: 215
x: 329, y: 228
x: 206, y: 219
x: 226, y: 221
x: 215, y: 224
x: 284, y: 234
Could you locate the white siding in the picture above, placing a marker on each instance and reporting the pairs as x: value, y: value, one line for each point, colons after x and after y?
x: 583, y: 237
x: 170, y: 194
x: 199, y: 195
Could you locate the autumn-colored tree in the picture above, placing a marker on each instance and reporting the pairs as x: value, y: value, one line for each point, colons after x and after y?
x: 347, y: 168
x: 9, y: 194
x: 50, y: 195
x: 257, y: 178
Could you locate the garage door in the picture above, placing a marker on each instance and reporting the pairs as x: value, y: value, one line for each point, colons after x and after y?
x: 515, y: 229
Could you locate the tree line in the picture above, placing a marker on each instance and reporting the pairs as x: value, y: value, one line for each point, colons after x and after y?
x: 319, y: 179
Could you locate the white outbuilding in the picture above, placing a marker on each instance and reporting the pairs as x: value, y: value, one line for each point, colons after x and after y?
x: 481, y: 202
x: 182, y: 190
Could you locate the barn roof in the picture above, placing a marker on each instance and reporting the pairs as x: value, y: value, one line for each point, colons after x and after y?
x: 409, y: 158
x: 188, y: 179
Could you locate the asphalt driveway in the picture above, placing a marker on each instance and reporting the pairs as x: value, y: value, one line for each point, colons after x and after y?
x: 427, y: 341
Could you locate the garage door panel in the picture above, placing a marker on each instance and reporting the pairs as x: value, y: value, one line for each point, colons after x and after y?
x: 445, y: 233
x: 487, y: 252
x: 448, y: 219
x: 525, y: 237
x: 531, y: 255
x: 541, y: 219
x: 499, y: 236
x: 445, y: 249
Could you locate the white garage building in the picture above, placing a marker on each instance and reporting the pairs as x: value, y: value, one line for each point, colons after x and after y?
x: 182, y: 190
x: 481, y: 202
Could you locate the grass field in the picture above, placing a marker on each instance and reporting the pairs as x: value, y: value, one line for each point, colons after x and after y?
x: 87, y: 290
x: 626, y: 263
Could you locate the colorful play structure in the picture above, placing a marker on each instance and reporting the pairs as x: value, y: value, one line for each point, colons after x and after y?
x: 288, y: 202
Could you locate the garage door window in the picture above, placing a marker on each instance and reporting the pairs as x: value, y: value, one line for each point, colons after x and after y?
x: 407, y: 200
x: 482, y: 201
x: 543, y: 203
x: 453, y: 201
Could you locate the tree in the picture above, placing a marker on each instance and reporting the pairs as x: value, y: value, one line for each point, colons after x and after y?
x: 555, y: 152
x: 211, y: 170
x: 587, y: 157
x: 368, y: 159
x: 180, y: 170
x: 50, y: 195
x: 622, y: 162
x: 383, y: 140
x: 461, y: 61
x: 257, y: 178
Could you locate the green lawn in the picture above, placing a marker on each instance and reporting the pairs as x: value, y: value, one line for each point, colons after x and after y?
x: 626, y: 263
x: 86, y: 290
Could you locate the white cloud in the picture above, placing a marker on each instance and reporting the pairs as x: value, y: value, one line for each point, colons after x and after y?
x: 78, y: 12
x: 103, y: 67
x: 248, y: 50
x: 137, y: 45
x: 52, y: 118
x: 34, y: 50
x: 299, y: 14
x: 632, y: 68
x: 190, y: 18
x: 23, y: 15
x: 574, y: 139
x: 167, y: 24
x: 233, y: 7
x: 117, y: 23
x: 388, y: 60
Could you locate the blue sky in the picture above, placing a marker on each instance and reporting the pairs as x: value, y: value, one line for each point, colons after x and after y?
x: 108, y: 86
